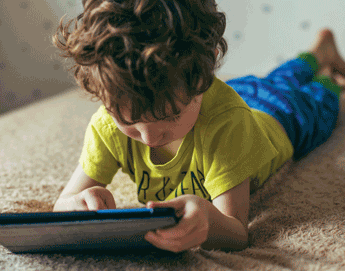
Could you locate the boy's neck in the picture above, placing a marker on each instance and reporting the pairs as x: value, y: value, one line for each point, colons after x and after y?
x: 166, y: 153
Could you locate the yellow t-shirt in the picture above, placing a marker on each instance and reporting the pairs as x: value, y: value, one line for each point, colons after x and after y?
x: 229, y: 143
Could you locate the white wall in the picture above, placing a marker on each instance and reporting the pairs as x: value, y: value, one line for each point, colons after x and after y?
x: 263, y: 34
x: 260, y: 35
x: 30, y: 68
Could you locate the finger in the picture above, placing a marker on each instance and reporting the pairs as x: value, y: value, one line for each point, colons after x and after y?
x: 191, y: 222
x: 174, y: 245
x: 94, y: 202
x: 176, y: 204
x: 187, y: 224
x: 181, y: 230
x: 160, y: 243
x: 80, y: 207
x: 159, y: 204
x: 79, y: 204
x: 108, y: 199
x: 192, y: 235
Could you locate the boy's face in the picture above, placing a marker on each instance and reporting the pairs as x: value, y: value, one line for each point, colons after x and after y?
x: 156, y: 134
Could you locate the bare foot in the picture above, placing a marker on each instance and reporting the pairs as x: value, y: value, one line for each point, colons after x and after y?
x: 326, y: 70
x: 336, y: 78
x: 339, y: 80
x: 326, y: 52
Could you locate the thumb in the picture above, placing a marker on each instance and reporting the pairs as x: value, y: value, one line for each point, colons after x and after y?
x: 178, y: 204
x: 175, y: 203
x: 154, y: 204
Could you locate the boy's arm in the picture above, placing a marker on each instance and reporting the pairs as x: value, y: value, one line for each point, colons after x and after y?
x: 78, y: 182
x: 84, y: 193
x: 229, y: 221
x: 221, y: 225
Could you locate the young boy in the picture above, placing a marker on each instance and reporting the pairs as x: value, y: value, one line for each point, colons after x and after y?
x: 187, y: 139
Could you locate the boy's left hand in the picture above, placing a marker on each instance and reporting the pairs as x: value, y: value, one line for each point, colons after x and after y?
x: 192, y: 229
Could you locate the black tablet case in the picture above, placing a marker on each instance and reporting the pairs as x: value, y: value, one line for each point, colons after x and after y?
x: 91, y: 231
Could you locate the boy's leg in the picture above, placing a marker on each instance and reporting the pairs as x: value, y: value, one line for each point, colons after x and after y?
x: 316, y: 104
x: 294, y: 73
x: 323, y: 93
x: 307, y: 109
x: 317, y: 109
x: 330, y: 80
x: 327, y: 83
x: 300, y: 71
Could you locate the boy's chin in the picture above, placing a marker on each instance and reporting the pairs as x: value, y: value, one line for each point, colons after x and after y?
x: 157, y: 146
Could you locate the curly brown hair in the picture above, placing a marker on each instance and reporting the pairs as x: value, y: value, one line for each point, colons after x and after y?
x: 143, y: 51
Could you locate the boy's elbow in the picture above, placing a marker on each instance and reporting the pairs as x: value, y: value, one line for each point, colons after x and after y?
x: 242, y: 243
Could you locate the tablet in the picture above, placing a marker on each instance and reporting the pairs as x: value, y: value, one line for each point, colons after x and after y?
x: 91, y: 231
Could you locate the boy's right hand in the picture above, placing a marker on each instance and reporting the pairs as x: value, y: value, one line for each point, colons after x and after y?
x: 93, y: 198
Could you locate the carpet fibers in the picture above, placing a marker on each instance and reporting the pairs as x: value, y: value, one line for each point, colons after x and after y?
x: 296, y: 220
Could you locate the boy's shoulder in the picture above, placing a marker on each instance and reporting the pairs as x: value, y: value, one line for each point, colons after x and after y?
x: 221, y: 97
x: 102, y: 121
x: 222, y: 108
x: 101, y: 116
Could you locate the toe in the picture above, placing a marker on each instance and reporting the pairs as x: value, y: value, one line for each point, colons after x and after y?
x: 326, y: 70
x: 340, y: 80
x: 339, y: 65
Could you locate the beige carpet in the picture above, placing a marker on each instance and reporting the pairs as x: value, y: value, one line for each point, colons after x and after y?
x: 297, y: 222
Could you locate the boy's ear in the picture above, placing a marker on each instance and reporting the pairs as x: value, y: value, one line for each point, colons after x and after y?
x: 217, y: 52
